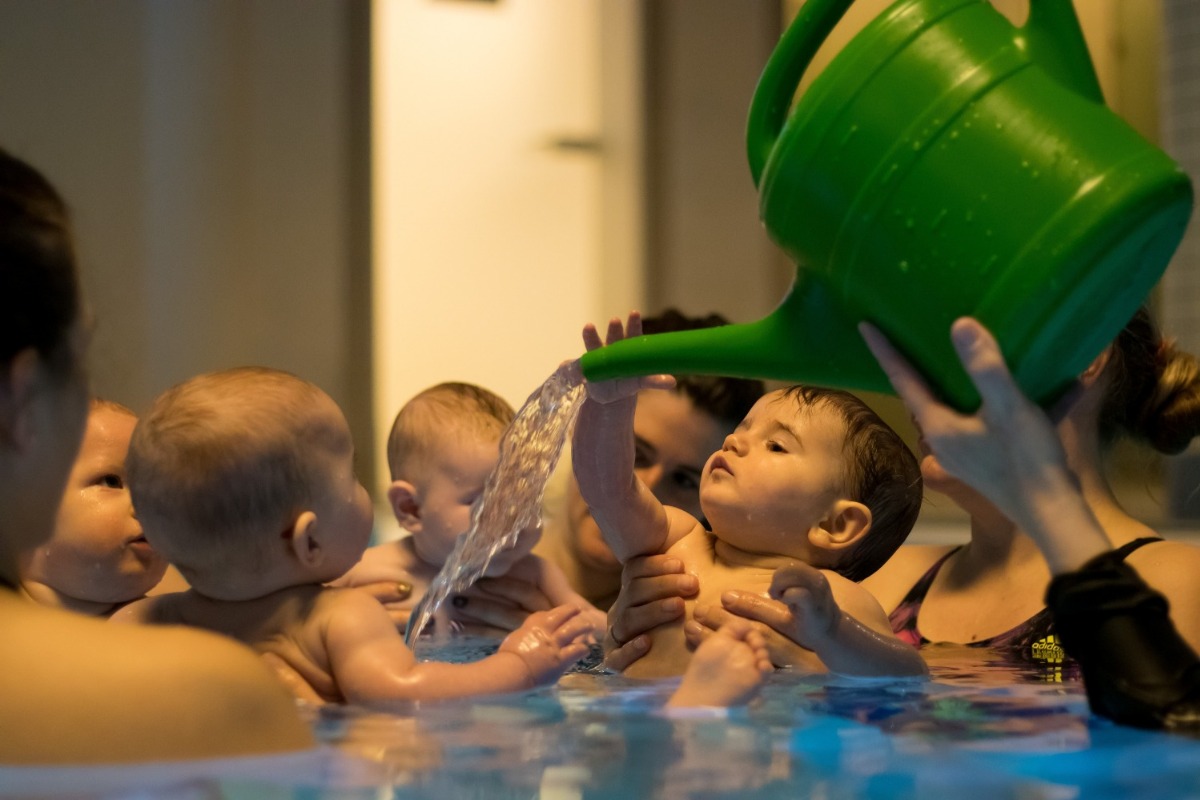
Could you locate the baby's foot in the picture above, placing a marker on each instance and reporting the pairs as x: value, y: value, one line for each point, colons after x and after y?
x: 726, y: 669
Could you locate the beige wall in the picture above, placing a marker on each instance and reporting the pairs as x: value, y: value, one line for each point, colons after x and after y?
x: 211, y: 153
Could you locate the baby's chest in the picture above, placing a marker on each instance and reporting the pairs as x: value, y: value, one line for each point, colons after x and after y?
x: 715, y: 577
x: 716, y: 580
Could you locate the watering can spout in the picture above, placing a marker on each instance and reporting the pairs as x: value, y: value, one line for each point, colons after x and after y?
x: 1053, y: 39
x: 808, y: 338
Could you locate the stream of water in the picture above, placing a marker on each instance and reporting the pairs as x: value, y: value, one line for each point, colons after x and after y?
x: 512, y: 496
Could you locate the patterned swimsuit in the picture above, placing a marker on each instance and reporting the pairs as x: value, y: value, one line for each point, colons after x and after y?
x: 1032, y: 642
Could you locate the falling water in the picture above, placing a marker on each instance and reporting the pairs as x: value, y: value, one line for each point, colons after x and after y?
x: 512, y: 496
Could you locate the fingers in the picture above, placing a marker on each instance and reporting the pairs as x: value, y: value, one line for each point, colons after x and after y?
x: 795, y: 575
x: 522, y: 594
x: 755, y: 607
x: 649, y: 567
x: 981, y: 357
x: 591, y: 338
x: 555, y: 617
x: 387, y: 591
x: 576, y: 629
x: 695, y: 633
x: 572, y: 653
x: 635, y: 620
x: 614, y: 332
x: 736, y: 628
x: 647, y: 590
x: 905, y: 379
x: 620, y: 658
x: 489, y: 612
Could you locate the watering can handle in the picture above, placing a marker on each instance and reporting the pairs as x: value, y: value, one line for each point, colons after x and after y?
x: 1051, y: 36
x: 777, y: 86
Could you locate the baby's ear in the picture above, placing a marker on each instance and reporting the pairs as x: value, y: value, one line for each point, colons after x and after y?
x: 847, y: 522
x: 303, y: 541
x: 406, y: 505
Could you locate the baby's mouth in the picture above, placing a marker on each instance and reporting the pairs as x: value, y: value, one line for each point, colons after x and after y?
x: 719, y: 463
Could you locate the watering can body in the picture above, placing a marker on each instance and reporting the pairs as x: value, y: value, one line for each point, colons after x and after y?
x: 945, y: 163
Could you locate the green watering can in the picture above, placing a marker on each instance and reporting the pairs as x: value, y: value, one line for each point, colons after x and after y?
x: 945, y: 163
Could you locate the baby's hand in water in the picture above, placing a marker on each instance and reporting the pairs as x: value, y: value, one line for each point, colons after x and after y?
x: 549, y: 642
x: 620, y: 388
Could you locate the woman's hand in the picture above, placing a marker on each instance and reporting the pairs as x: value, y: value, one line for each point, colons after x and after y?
x: 1008, y: 450
x: 395, y: 597
x: 652, y: 593
x: 771, y: 617
x: 504, y: 602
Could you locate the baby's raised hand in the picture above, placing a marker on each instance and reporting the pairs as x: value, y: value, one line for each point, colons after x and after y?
x: 549, y: 642
x: 620, y: 388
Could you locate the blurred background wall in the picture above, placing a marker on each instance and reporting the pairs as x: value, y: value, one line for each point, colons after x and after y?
x: 382, y: 195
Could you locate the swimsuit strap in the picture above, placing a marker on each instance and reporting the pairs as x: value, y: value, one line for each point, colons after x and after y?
x: 1126, y: 549
x: 904, y: 618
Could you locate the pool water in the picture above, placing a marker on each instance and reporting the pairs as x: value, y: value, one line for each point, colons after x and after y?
x: 977, y: 729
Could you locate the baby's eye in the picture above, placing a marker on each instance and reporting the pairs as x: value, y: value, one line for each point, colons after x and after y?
x: 112, y: 481
x: 775, y: 447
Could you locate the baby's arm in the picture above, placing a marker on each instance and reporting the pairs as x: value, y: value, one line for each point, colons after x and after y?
x: 631, y: 518
x: 843, y: 624
x: 371, y: 663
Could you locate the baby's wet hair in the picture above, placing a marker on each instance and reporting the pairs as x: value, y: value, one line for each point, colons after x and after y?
x: 222, y: 462
x: 881, y: 472
x: 723, y: 398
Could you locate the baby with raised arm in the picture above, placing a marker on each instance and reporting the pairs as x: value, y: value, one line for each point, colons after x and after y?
x: 811, y: 480
x: 97, y: 559
x: 443, y: 444
x: 244, y: 479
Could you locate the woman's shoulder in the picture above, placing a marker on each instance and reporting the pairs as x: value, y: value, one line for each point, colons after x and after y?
x: 179, y: 689
x: 1169, y: 563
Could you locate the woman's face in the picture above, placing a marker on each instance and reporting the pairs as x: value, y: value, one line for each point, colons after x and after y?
x: 672, y: 441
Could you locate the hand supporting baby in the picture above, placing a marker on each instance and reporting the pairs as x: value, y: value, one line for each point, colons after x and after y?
x: 796, y: 620
x: 549, y: 642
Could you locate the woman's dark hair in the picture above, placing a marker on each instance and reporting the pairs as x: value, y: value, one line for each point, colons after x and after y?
x: 1153, y: 389
x: 39, y: 290
x: 726, y: 399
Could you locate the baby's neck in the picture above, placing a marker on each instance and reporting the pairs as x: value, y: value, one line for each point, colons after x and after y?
x: 733, y: 556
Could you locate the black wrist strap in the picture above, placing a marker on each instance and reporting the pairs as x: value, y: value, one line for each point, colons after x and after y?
x: 1136, y: 667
